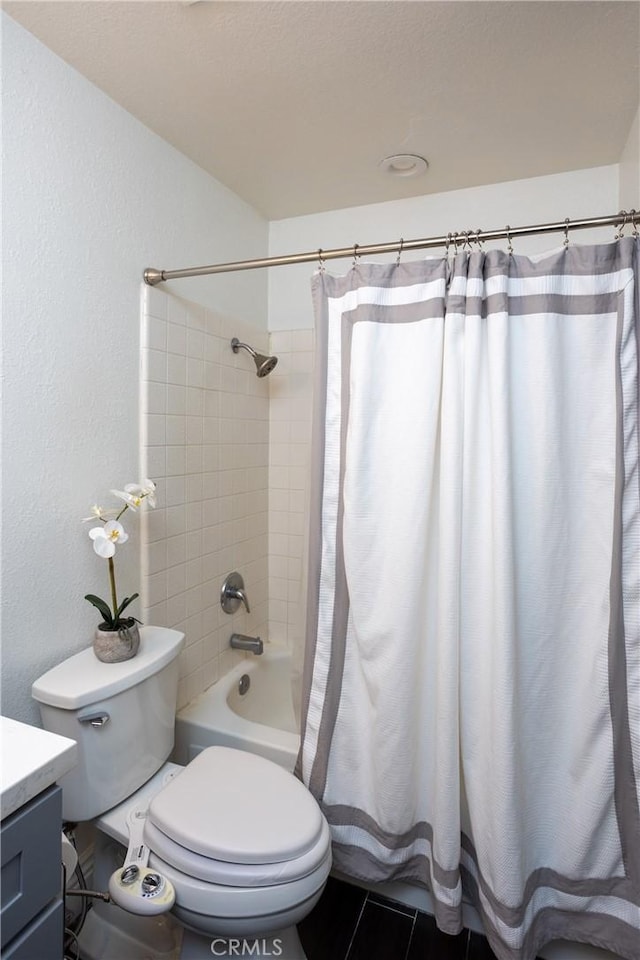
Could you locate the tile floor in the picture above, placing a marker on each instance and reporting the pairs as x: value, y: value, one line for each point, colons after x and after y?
x: 349, y: 923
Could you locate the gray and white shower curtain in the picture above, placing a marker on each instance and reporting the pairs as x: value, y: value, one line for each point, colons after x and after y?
x: 471, y: 703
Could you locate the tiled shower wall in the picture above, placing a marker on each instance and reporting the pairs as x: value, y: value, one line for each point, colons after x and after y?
x: 205, y: 434
x: 289, y: 459
x: 230, y: 455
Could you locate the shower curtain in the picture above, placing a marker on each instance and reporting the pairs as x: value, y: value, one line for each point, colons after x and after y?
x: 471, y: 702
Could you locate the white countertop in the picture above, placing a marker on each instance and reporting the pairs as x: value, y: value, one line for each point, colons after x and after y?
x: 32, y: 759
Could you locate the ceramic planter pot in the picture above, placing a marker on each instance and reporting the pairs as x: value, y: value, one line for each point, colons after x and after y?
x: 114, y: 646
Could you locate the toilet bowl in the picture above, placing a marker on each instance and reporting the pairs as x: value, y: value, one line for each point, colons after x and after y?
x: 243, y: 842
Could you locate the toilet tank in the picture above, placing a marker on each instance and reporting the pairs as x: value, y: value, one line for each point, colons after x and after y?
x: 122, y: 716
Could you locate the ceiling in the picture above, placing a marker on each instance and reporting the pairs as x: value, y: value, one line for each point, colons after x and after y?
x: 293, y: 104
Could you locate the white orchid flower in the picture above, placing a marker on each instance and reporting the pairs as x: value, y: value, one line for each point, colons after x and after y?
x: 97, y: 513
x: 147, y: 490
x: 150, y: 489
x: 135, y: 493
x: 105, y: 538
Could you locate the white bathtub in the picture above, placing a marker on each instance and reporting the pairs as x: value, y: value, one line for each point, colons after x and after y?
x: 261, y: 721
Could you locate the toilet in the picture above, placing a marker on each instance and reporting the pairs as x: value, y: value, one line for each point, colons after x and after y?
x: 243, y: 842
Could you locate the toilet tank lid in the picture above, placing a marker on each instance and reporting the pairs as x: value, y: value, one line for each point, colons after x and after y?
x: 83, y: 679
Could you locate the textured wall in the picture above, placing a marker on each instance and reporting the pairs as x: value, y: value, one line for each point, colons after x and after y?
x: 90, y: 198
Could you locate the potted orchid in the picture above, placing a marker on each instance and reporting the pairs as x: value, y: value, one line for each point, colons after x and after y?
x: 117, y: 637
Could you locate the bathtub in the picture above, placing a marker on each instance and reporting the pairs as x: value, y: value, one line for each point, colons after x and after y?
x: 260, y: 720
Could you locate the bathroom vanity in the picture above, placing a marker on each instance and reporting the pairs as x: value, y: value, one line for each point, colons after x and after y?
x: 31, y: 906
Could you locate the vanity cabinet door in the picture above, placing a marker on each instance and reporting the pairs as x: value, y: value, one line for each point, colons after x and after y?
x: 42, y: 939
x: 31, y: 872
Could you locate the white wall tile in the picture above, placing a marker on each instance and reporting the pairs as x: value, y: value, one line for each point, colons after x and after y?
x: 156, y: 433
x: 193, y: 483
x: 157, y: 556
x: 155, y: 525
x: 176, y: 400
x: 154, y: 365
x: 193, y: 544
x: 176, y: 461
x: 175, y: 520
x: 176, y: 429
x: 290, y: 452
x: 195, y: 401
x: 195, y: 372
x: 155, y: 398
x: 176, y: 580
x: 176, y: 609
x: 176, y: 550
x: 176, y: 369
x: 156, y: 334
x: 157, y: 587
x: 174, y: 491
x: 194, y: 460
x: 193, y: 516
x: 175, y: 307
x: 194, y: 430
x: 195, y: 343
x: 228, y: 500
x: 196, y: 316
x: 176, y: 339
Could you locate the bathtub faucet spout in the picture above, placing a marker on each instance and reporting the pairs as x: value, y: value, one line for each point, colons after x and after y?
x: 240, y: 642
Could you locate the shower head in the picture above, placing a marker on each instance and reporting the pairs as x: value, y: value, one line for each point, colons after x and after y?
x: 264, y: 365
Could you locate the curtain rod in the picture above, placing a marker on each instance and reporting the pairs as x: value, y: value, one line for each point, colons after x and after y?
x: 153, y: 276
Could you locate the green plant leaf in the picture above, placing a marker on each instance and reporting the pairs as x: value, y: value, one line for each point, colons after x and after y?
x: 101, y: 606
x: 125, y: 603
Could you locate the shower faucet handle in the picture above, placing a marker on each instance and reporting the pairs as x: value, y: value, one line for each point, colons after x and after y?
x: 233, y: 594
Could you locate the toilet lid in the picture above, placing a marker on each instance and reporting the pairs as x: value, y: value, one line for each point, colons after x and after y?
x: 235, y: 806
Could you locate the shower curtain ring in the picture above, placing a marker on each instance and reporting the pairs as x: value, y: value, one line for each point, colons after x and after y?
x: 479, y: 240
x: 620, y: 234
x: 447, y: 244
x: 400, y: 251
x: 455, y: 239
x: 509, y: 244
x: 467, y: 241
x: 355, y: 255
x: 566, y: 232
x: 320, y: 261
x: 634, y: 220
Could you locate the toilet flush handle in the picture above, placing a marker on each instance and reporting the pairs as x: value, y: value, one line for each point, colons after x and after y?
x: 95, y: 718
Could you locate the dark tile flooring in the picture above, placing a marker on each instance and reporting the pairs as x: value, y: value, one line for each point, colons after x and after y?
x: 349, y: 923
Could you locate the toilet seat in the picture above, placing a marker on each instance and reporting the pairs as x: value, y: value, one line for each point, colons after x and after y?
x: 237, y: 808
x: 236, y: 874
